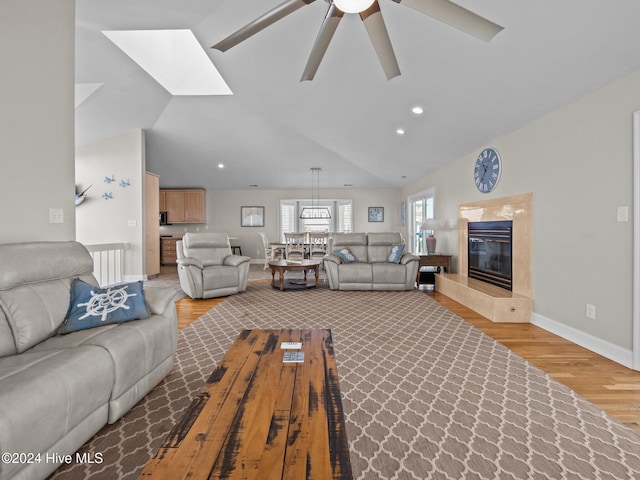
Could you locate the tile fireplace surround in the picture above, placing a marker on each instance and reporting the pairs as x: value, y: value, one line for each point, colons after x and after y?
x: 495, y: 303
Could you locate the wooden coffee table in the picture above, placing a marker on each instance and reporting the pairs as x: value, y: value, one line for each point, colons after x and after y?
x: 282, y: 266
x: 259, y: 418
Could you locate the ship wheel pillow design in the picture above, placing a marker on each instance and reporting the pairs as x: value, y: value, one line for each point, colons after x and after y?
x: 91, y: 306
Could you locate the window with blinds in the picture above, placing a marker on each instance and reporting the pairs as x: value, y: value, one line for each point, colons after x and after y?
x: 287, y: 218
x: 341, y: 217
x: 345, y: 217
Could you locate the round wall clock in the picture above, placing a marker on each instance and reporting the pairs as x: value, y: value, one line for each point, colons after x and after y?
x: 486, y: 173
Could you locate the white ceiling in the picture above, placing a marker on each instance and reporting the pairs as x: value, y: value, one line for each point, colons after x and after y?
x: 275, y: 128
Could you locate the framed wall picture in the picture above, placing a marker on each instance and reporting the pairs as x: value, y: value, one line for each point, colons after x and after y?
x: 252, y: 216
x: 376, y: 214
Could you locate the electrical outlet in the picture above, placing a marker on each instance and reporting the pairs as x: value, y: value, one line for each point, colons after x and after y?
x: 132, y: 223
x: 591, y: 311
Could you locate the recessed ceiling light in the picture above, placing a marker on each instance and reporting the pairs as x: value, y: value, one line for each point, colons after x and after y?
x: 418, y: 110
x: 400, y: 131
x: 221, y: 165
x: 174, y: 58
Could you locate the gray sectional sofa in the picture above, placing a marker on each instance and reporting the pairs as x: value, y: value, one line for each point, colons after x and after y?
x: 372, y: 268
x: 57, y: 391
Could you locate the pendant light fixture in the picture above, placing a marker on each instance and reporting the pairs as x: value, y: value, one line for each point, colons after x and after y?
x: 315, y: 211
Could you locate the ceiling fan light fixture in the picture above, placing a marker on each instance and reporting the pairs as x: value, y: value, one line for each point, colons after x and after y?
x: 353, y: 6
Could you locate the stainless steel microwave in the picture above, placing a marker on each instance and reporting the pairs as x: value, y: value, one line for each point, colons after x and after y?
x: 163, y: 218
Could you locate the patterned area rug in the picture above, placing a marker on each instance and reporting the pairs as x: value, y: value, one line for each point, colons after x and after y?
x: 426, y: 395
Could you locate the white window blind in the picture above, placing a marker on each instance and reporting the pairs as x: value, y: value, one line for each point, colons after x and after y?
x: 345, y: 217
x: 288, y: 218
x: 341, y: 217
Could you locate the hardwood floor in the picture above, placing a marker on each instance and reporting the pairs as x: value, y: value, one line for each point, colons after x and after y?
x: 614, y: 388
x: 189, y: 310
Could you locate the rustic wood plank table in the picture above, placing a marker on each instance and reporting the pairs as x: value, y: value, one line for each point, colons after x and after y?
x: 260, y: 418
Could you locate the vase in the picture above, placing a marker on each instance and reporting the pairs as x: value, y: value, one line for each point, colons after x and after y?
x: 431, y: 244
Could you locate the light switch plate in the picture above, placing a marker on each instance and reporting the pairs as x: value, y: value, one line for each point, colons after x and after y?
x: 623, y: 214
x: 56, y: 215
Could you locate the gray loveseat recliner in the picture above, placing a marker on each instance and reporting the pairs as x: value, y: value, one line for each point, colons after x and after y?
x: 372, y: 269
x: 57, y: 391
x: 207, y: 268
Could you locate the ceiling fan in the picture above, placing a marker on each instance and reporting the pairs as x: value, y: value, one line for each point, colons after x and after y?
x: 369, y: 11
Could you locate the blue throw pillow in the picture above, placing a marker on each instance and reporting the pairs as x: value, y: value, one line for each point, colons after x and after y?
x: 345, y: 255
x: 93, y: 307
x: 396, y: 253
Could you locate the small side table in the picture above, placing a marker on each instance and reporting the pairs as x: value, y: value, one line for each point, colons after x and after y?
x: 434, y: 260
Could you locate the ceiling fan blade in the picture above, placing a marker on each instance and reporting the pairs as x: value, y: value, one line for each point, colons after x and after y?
x: 328, y: 28
x: 374, y: 23
x: 261, y: 23
x: 456, y: 16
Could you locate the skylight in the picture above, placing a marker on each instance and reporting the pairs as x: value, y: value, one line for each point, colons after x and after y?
x: 174, y: 58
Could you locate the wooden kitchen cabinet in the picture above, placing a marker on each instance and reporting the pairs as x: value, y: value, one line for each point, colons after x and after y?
x: 195, y: 206
x: 152, y: 228
x: 168, y: 250
x: 184, y: 206
x: 174, y: 204
x: 162, y: 203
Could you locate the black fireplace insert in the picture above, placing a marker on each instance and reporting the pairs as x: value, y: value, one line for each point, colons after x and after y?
x: 490, y: 252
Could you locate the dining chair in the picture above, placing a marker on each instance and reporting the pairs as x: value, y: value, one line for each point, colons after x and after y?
x: 269, y: 250
x: 318, y: 245
x: 294, y: 246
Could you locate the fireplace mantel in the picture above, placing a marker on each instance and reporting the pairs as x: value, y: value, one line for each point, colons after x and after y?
x: 495, y: 303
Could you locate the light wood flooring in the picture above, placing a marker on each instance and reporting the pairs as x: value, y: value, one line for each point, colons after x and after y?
x: 614, y: 388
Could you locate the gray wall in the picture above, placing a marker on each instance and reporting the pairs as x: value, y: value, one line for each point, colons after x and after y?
x: 223, y: 212
x: 578, y: 164
x: 121, y: 218
x: 36, y: 119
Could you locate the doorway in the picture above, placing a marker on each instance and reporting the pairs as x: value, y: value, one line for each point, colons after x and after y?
x: 420, y: 210
x: 636, y: 243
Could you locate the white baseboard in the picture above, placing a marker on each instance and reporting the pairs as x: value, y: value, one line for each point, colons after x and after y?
x: 133, y: 278
x: 620, y: 355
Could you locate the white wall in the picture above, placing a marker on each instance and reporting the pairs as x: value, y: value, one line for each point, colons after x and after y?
x: 223, y: 212
x: 36, y: 119
x: 578, y: 164
x: 108, y: 221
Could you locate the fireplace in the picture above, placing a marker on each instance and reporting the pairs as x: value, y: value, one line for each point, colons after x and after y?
x: 489, y: 252
x: 510, y: 303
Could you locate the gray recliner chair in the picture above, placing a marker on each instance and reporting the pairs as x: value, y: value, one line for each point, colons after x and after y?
x: 207, y: 268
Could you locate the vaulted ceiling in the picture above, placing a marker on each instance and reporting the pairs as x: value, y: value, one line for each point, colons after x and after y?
x: 274, y: 128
